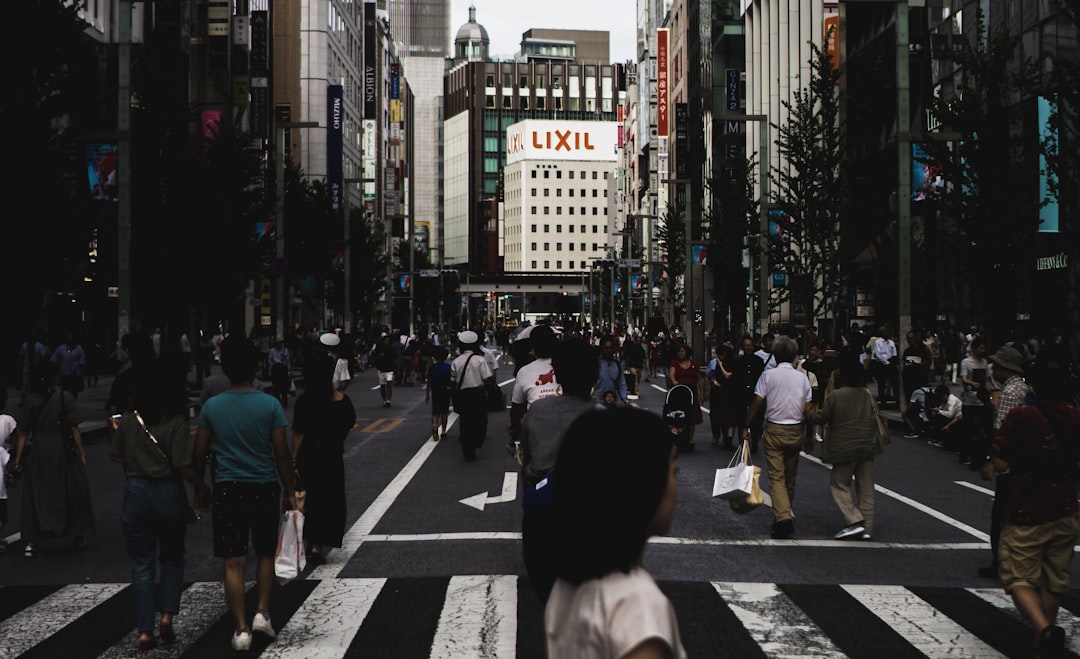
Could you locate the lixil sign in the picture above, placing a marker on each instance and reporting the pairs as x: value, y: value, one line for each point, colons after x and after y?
x: 561, y: 140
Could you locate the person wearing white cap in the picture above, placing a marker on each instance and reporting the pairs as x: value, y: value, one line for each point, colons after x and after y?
x: 342, y: 377
x: 468, y: 377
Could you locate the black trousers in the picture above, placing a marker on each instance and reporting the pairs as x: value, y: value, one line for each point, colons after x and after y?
x: 471, y: 406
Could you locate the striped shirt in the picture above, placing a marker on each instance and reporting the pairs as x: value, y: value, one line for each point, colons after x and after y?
x: 1013, y: 394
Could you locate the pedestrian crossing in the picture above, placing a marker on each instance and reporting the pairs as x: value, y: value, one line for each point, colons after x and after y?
x: 499, y: 617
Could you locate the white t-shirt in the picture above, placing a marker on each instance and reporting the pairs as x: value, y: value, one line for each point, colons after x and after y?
x: 608, y: 617
x: 534, y: 381
x: 475, y: 373
x: 341, y: 371
x: 786, y: 393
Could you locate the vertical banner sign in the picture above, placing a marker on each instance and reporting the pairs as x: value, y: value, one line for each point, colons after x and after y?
x: 335, y: 120
x: 370, y: 84
x: 662, y: 128
x: 1049, y: 218
x: 682, y: 139
x: 259, y: 39
x: 832, y: 40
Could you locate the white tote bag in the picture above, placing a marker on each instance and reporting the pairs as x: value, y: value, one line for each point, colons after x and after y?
x: 290, y: 559
x: 737, y: 479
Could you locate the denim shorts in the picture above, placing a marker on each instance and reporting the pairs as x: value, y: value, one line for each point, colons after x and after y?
x: 243, y: 511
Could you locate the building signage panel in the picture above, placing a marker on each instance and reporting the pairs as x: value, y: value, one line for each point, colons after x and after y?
x: 540, y: 139
x: 395, y: 111
x: 259, y: 42
x: 368, y: 145
x: 335, y: 121
x: 682, y: 140
x: 732, y: 90
x: 371, y: 84
x: 662, y: 126
x: 395, y: 87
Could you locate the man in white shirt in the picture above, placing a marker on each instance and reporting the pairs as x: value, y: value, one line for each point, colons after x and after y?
x: 533, y: 381
x: 885, y: 370
x: 785, y: 393
x: 468, y: 374
x: 764, y: 353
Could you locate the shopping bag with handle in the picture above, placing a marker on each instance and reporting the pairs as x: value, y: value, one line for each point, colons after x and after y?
x: 290, y: 558
x: 737, y: 479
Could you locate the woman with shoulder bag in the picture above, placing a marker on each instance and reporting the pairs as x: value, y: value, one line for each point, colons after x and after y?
x: 50, y: 456
x: 851, y: 444
x: 153, y: 443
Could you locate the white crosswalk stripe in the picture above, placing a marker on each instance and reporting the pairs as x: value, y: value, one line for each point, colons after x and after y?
x: 920, y: 623
x: 33, y: 625
x: 481, y: 616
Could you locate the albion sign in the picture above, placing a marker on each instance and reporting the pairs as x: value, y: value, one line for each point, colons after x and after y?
x: 561, y: 140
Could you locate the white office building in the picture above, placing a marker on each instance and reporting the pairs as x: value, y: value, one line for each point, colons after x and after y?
x: 558, y: 201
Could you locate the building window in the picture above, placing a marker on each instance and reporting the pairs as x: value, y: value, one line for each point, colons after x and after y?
x: 547, y: 191
x: 595, y: 211
x: 489, y: 102
x: 533, y: 211
x: 605, y: 210
x: 571, y: 189
x: 558, y: 210
x: 533, y: 172
x: 540, y: 103
x: 605, y: 175
x: 594, y: 191
x: 489, y: 80
x: 596, y: 229
x: 534, y: 265
x: 523, y: 82
x: 533, y: 226
x: 524, y: 102
x: 547, y: 265
x: 547, y: 211
x: 570, y: 226
x: 594, y: 247
x: 558, y: 247
x: 558, y: 192
x: 582, y: 226
x: 547, y: 247
x: 605, y: 193
x: 571, y: 212
x: 583, y: 247
x: 558, y: 173
x: 558, y: 228
x: 558, y: 265
x: 532, y: 246
x: 583, y: 190
x: 533, y: 192
x: 547, y: 173
x: 583, y: 211
x: 571, y: 246
x: 547, y: 228
x: 508, y: 102
x: 594, y: 176
x: 571, y: 174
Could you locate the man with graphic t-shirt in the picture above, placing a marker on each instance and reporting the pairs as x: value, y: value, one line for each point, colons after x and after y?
x: 533, y: 381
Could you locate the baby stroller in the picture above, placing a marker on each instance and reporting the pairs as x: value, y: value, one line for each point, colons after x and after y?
x: 678, y: 410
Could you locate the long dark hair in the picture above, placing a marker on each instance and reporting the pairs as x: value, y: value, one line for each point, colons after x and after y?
x: 159, y: 388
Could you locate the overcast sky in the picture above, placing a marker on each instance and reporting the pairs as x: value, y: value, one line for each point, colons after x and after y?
x: 505, y: 20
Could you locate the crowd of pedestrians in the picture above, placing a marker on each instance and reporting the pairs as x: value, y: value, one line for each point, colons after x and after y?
x: 577, y: 435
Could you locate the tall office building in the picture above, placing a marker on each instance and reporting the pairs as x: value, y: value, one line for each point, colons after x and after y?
x: 422, y: 31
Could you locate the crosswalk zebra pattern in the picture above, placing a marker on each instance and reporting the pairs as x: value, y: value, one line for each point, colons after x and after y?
x: 498, y: 617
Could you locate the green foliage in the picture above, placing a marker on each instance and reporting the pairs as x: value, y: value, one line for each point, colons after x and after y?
x: 671, y: 237
x: 811, y: 185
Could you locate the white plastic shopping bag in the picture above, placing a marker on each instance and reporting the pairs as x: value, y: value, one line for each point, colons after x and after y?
x: 737, y: 479
x: 290, y: 558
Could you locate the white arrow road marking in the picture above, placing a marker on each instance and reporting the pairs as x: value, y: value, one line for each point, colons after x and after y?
x: 509, y: 493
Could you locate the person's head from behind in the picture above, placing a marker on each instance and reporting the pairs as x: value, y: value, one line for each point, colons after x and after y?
x: 941, y: 393
x: 543, y: 341
x: 615, y: 486
x: 1050, y: 379
x: 319, y: 375
x: 576, y: 368
x: 851, y: 372
x: 441, y: 354
x: 239, y: 358
x: 159, y: 388
x: 785, y: 349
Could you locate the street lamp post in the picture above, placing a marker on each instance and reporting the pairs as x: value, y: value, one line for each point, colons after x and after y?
x: 279, y: 217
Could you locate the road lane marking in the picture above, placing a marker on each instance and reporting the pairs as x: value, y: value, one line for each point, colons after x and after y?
x: 354, y: 537
x: 327, y: 621
x: 201, y: 605
x: 777, y: 625
x: 503, y: 384
x: 508, y: 493
x: 383, y: 424
x: 940, y: 516
x: 1065, y: 618
x: 478, y: 619
x: 977, y: 488
x: 920, y: 623
x: 35, y: 624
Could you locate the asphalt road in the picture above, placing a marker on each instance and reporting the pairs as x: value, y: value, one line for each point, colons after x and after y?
x: 432, y: 561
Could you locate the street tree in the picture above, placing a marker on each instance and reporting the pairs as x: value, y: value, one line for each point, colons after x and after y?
x: 671, y: 238
x: 368, y: 270
x: 989, y: 217
x: 810, y: 183
x: 733, y: 216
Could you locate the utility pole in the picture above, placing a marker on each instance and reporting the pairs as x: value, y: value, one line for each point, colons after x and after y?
x: 903, y: 148
x: 123, y: 172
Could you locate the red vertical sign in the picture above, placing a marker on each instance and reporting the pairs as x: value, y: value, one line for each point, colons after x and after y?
x: 662, y: 82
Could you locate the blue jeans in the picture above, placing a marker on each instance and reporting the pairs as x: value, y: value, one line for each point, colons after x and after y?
x: 154, y: 518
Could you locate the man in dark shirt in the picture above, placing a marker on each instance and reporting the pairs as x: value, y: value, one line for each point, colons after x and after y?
x: 915, y: 364
x: 634, y: 356
x: 748, y: 368
x: 1039, y: 446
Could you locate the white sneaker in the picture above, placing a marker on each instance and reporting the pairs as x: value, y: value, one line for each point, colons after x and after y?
x: 241, y: 641
x: 261, y: 624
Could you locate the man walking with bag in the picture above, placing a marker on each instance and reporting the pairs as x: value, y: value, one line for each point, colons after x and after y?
x: 468, y: 375
x: 785, y: 394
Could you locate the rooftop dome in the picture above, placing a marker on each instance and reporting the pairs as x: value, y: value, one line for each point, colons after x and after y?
x: 472, y: 31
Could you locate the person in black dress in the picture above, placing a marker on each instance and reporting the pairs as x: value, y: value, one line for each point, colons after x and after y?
x: 322, y: 420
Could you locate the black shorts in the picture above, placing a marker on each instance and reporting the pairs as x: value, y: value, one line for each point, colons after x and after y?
x: 440, y: 402
x: 242, y: 511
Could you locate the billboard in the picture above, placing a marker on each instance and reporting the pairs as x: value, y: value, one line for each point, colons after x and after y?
x: 662, y: 128
x: 335, y: 120
x: 101, y: 162
x: 543, y: 139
